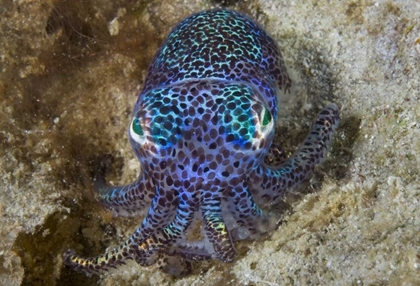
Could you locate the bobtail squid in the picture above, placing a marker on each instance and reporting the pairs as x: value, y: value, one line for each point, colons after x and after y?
x: 202, y: 129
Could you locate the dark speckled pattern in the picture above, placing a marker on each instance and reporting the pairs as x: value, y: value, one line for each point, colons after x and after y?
x: 202, y: 129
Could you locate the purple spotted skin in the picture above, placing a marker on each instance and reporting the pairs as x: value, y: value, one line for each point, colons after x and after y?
x: 202, y: 130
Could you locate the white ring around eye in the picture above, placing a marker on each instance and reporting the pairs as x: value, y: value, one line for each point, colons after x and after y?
x: 265, y: 130
x: 136, y: 137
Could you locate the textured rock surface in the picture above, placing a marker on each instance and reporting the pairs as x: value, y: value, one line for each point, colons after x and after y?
x: 69, y: 78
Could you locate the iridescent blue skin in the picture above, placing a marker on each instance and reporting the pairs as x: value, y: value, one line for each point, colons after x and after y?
x: 202, y: 130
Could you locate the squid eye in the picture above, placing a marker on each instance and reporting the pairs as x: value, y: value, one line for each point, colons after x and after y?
x: 265, y: 117
x: 137, y: 127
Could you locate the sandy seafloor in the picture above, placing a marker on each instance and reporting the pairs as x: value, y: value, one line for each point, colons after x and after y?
x: 69, y: 75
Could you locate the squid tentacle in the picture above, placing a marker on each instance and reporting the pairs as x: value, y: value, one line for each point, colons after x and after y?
x: 215, y: 227
x: 269, y: 183
x: 157, y: 218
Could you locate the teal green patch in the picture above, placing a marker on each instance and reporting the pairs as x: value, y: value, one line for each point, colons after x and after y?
x: 137, y: 127
x: 267, y: 117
